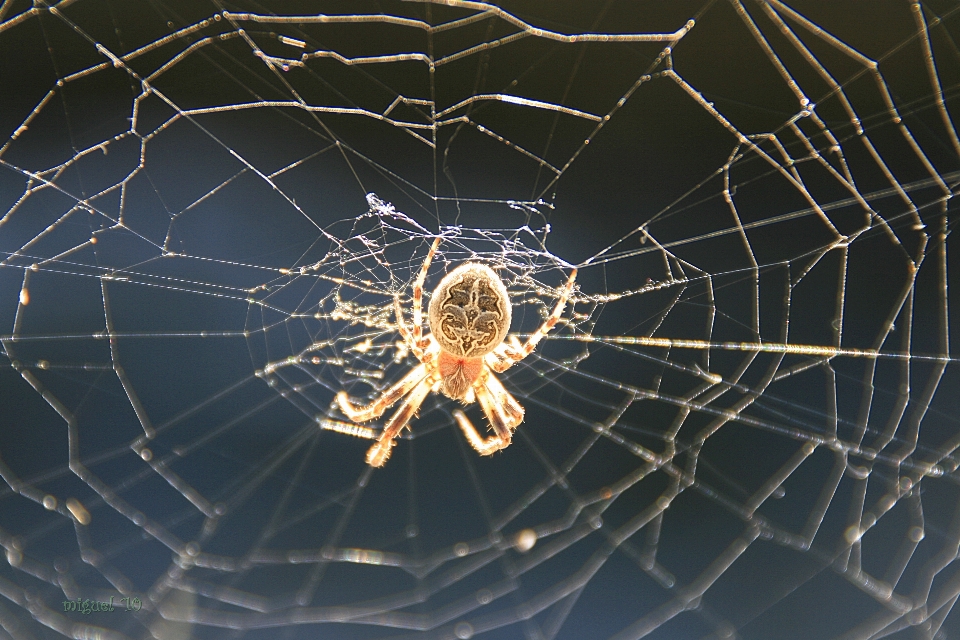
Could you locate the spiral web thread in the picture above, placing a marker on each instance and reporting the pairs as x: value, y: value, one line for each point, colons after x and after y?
x: 675, y: 338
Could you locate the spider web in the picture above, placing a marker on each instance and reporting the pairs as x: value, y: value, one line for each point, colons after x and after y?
x: 744, y: 426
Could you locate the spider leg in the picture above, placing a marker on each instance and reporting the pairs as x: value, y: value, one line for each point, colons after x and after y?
x: 415, y: 339
x: 376, y: 408
x: 378, y: 453
x: 418, y: 296
x: 414, y: 344
x: 501, y: 409
x: 506, y: 355
x: 502, y: 398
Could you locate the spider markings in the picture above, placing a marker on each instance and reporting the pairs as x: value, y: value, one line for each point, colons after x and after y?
x: 469, y: 317
x: 469, y: 312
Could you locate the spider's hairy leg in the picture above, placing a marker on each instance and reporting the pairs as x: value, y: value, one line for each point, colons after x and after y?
x: 418, y: 295
x: 545, y: 328
x: 504, y: 416
x: 376, y: 408
x: 502, y: 398
x: 506, y: 355
x: 484, y: 447
x: 379, y: 452
x: 414, y: 344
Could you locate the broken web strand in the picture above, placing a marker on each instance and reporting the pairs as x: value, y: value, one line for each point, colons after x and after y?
x: 785, y: 166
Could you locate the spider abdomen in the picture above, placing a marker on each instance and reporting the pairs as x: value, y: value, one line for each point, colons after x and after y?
x: 469, y: 313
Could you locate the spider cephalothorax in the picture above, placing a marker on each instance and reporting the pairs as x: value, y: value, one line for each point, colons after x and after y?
x: 469, y: 318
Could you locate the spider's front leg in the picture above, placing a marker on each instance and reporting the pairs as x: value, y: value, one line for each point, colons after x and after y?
x: 506, y: 355
x: 414, y: 337
x: 416, y: 346
x: 418, y: 297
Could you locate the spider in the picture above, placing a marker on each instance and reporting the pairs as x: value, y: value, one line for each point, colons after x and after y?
x: 469, y: 319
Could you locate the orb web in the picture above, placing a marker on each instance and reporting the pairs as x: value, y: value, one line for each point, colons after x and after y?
x: 743, y: 426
